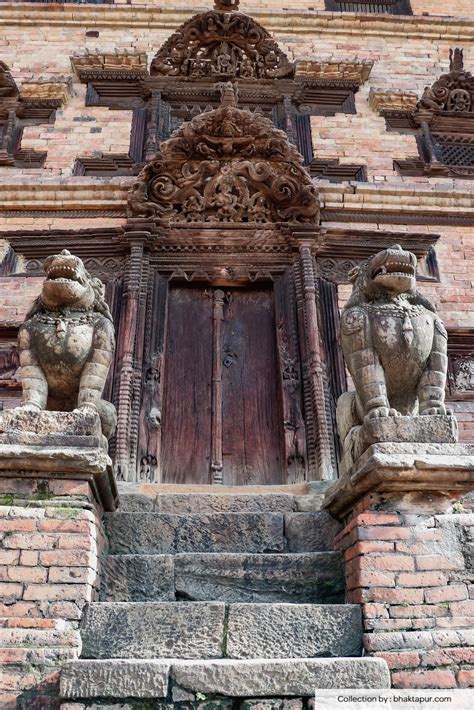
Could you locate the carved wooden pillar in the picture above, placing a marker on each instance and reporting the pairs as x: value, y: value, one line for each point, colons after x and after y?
x: 314, y: 370
x: 126, y: 344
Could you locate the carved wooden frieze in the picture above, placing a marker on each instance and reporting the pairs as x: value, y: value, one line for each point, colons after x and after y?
x: 222, y: 45
x: 228, y: 166
x: 461, y: 364
x: 109, y: 65
x: 354, y: 70
x: 8, y: 86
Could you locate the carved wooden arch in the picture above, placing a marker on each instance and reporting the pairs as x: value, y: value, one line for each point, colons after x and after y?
x: 225, y: 166
x: 222, y: 45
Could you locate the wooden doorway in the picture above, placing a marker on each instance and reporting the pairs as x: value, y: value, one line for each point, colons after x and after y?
x: 222, y: 419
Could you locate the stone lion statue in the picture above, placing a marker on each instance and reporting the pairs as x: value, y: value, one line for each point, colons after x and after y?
x: 66, y: 343
x: 394, y: 344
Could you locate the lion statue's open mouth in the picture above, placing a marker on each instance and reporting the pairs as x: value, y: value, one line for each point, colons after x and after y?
x: 67, y: 283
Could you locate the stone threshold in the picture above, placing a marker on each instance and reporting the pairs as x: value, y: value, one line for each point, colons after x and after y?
x: 293, y: 22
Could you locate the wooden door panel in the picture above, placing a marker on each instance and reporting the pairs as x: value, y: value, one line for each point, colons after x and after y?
x: 252, y: 423
x: 186, y: 423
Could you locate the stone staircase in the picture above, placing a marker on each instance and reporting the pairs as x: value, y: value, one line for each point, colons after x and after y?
x: 210, y: 601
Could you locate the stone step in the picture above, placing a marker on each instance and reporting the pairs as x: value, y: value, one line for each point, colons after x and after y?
x: 176, y: 680
x: 218, y: 630
x: 165, y: 533
x: 220, y: 499
x: 230, y: 577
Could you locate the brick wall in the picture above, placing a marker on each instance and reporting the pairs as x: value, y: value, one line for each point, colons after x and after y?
x: 50, y: 540
x: 412, y: 575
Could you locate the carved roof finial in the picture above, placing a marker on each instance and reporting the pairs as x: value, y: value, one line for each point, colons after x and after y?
x: 456, y: 60
x: 229, y: 94
x: 226, y: 5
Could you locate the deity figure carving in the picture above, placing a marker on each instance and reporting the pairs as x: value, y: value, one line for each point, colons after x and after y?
x: 394, y: 344
x: 66, y: 343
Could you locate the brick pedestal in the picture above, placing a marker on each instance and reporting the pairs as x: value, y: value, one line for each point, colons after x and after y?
x: 408, y: 551
x: 51, y: 505
x: 51, y: 539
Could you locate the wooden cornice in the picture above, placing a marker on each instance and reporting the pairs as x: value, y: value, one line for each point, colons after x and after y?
x: 295, y: 22
x: 381, y: 100
x: 346, y: 70
x: 358, y: 202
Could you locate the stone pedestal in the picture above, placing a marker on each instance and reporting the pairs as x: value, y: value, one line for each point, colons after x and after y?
x: 55, y: 483
x: 408, y: 547
x: 56, y: 446
x: 395, y: 430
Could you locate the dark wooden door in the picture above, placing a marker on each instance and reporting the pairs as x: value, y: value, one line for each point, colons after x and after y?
x: 222, y: 419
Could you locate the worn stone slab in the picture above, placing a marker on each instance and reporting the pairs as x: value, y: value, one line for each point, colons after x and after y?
x: 440, y: 429
x: 162, y: 533
x: 153, y: 630
x: 203, y: 504
x: 81, y: 423
x: 310, y: 532
x: 285, y: 677
x: 137, y: 578
x: 308, y: 577
x: 115, y: 679
x: 293, y: 630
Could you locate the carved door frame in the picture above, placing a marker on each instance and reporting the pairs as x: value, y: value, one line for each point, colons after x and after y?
x: 250, y: 256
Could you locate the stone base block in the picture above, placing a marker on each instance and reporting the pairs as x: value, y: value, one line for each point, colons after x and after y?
x: 419, y: 476
x: 57, y: 445
x: 421, y: 429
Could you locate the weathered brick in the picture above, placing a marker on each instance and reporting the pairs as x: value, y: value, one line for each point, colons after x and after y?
x: 400, y: 659
x: 424, y: 679
x: 449, y: 593
x: 421, y: 579
x: 48, y: 592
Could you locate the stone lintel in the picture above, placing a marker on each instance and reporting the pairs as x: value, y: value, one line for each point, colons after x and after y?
x: 57, y: 445
x: 435, y: 475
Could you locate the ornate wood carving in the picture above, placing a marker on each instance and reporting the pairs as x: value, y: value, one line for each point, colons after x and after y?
x: 445, y: 119
x: 221, y: 45
x: 226, y: 166
x: 461, y: 364
x: 291, y: 378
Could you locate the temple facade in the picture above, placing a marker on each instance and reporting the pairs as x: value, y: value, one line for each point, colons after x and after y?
x: 236, y: 351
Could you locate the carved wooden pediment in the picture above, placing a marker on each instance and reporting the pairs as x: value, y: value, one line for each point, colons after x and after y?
x: 221, y: 45
x: 452, y: 92
x: 226, y: 166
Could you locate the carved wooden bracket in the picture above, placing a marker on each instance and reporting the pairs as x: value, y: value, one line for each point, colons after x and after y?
x: 111, y: 66
x: 397, y: 107
x: 35, y: 104
x: 349, y: 70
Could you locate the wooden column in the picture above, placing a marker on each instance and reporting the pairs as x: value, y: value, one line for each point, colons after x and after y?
x: 314, y: 367
x: 216, y: 424
x: 126, y: 345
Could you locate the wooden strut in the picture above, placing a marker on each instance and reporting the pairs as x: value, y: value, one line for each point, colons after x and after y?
x: 314, y: 358
x: 216, y: 416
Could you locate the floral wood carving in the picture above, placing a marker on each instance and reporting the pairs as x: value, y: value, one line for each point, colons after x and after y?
x: 451, y: 92
x: 223, y: 45
x: 226, y: 166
